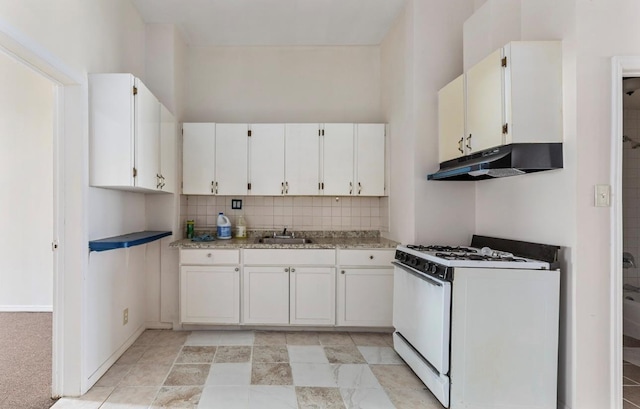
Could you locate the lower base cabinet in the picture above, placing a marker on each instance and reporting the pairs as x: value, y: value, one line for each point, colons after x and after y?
x: 210, y: 295
x: 365, y: 297
x: 312, y: 295
x: 266, y: 295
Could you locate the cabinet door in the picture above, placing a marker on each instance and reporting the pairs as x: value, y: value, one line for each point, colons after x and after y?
x: 198, y: 167
x: 338, y: 159
x: 168, y: 140
x: 267, y: 159
x: 484, y: 104
x: 302, y: 159
x: 210, y: 295
x: 370, y: 160
x: 266, y: 295
x: 451, y: 120
x: 231, y: 159
x: 313, y: 295
x: 147, y: 140
x: 365, y: 297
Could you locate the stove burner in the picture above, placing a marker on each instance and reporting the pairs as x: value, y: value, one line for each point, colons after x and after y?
x: 477, y: 257
x: 457, y: 249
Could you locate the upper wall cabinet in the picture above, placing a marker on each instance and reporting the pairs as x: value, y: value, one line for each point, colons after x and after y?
x: 214, y: 159
x: 125, y: 135
x: 451, y: 120
x: 168, y: 139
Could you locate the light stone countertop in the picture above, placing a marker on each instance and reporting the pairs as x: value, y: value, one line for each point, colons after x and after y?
x: 365, y: 239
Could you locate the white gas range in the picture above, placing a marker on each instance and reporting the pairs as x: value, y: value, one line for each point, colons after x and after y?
x: 479, y: 324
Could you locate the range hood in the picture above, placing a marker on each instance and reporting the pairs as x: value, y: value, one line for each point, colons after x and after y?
x: 502, y: 161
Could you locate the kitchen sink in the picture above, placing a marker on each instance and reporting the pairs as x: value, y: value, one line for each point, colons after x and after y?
x: 283, y: 240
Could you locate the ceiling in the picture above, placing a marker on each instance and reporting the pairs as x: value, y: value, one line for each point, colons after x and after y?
x: 275, y: 22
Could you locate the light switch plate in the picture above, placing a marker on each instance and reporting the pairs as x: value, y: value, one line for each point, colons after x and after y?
x: 602, y: 195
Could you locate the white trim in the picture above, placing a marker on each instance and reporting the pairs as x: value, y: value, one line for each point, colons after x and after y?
x: 26, y: 308
x: 620, y: 66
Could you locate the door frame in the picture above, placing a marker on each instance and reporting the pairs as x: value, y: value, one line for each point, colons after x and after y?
x: 67, y: 100
x: 621, y: 66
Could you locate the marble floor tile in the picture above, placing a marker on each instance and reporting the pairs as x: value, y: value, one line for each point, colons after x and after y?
x: 413, y: 398
x: 335, y: 338
x: 236, y: 338
x: 277, y: 353
x: 196, y: 355
x: 396, y: 376
x: 271, y: 374
x: 319, y: 398
x: 160, y: 354
x: 203, y: 338
x: 313, y: 375
x: 366, y: 399
x: 628, y: 405
x: 272, y: 397
x: 147, y: 337
x: 131, y: 397
x: 90, y: 400
x: 146, y: 375
x: 133, y: 354
x: 302, y: 338
x: 114, y: 375
x: 166, y: 338
x: 307, y: 354
x: 352, y: 376
x: 186, y: 397
x: 372, y: 339
x: 224, y: 397
x: 270, y: 338
x: 628, y: 382
x: 232, y: 354
x: 188, y: 375
x: 632, y: 394
x: 380, y: 355
x: 230, y: 374
x: 344, y: 354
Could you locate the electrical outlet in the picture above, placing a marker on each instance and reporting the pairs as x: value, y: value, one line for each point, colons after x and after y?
x: 125, y: 316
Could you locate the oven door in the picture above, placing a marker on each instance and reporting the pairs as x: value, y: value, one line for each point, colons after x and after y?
x: 422, y: 314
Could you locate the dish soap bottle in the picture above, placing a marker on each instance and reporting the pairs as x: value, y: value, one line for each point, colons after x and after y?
x: 241, y: 228
x: 223, y: 227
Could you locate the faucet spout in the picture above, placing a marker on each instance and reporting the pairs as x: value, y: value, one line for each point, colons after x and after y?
x: 284, y: 232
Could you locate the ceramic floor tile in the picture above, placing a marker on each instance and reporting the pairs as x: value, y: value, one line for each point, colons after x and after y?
x: 133, y: 354
x: 628, y: 341
x: 196, y: 355
x: 146, y: 375
x: 233, y: 354
x: 344, y: 354
x: 271, y: 374
x: 160, y: 354
x: 307, y: 354
x: 90, y: 400
x: 203, y: 338
x: 277, y: 353
x: 114, y: 375
x: 302, y: 338
x: 224, y: 397
x: 130, y: 397
x: 186, y: 397
x: 352, y: 376
x: 632, y: 394
x: 272, y: 397
x: 188, y: 375
x: 270, y: 338
x: 236, y: 338
x: 396, y: 376
x: 372, y: 339
x: 335, y: 338
x: 148, y: 337
x: 230, y: 374
x: 366, y: 399
x: 313, y: 375
x: 628, y: 405
x: 380, y: 355
x: 629, y: 382
x: 413, y: 398
x: 319, y: 398
x: 170, y: 337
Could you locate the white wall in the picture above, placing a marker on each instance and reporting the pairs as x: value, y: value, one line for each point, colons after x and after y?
x: 26, y: 177
x: 283, y: 84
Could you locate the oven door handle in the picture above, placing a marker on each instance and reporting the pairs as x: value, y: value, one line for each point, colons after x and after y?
x: 421, y: 276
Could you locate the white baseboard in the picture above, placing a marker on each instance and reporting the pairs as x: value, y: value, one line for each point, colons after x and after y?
x: 26, y: 308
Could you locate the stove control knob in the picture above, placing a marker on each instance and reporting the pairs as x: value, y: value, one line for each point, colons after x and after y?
x: 433, y: 268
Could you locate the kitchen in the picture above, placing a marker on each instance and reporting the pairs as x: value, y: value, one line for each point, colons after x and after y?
x: 421, y: 53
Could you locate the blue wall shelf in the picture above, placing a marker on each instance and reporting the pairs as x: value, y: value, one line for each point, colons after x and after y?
x: 127, y: 240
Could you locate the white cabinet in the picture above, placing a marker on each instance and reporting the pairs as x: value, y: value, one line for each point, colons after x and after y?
x: 214, y: 159
x: 209, y: 286
x: 284, y: 287
x: 365, y: 288
x: 353, y: 160
x: 267, y: 160
x: 168, y: 139
x: 451, y: 120
x: 125, y: 134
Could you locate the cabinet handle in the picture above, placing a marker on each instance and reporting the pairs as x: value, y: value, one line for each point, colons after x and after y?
x: 370, y: 257
x: 158, y: 183
x: 212, y: 186
x: 469, y: 141
x: 293, y: 270
x: 236, y: 269
x: 286, y: 188
x: 282, y: 188
x: 350, y: 187
x: 209, y: 255
x: 342, y: 272
x: 460, y: 144
x: 216, y: 188
x: 359, y: 188
x: 286, y: 270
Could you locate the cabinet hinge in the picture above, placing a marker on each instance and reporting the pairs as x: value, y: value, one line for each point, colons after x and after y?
x: 249, y: 133
x: 135, y: 90
x: 135, y: 172
x: 504, y: 61
x: 248, y: 186
x: 505, y: 128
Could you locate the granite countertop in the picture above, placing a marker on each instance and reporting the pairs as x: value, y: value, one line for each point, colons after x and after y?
x: 319, y: 240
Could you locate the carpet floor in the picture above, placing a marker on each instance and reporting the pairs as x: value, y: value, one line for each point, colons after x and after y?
x: 25, y: 360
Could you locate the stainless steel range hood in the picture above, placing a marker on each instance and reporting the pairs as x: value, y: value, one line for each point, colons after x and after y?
x: 502, y: 161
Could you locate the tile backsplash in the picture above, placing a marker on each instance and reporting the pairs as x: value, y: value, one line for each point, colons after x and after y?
x: 294, y: 213
x: 631, y: 194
